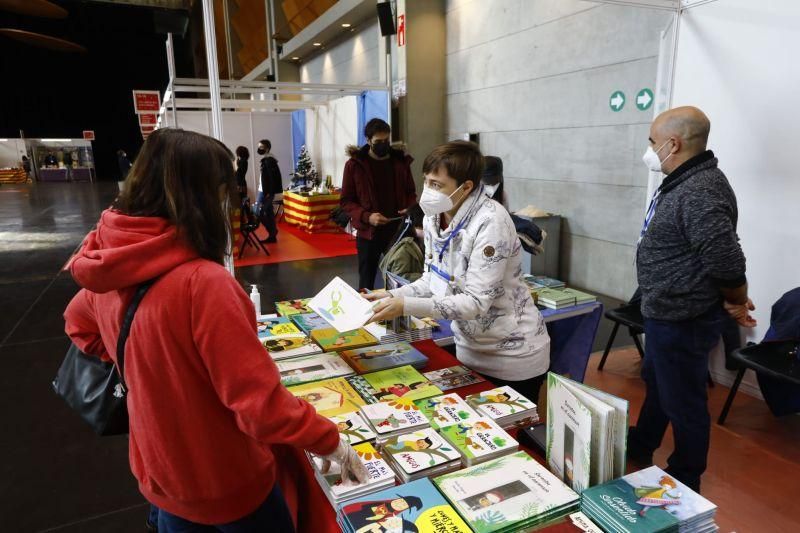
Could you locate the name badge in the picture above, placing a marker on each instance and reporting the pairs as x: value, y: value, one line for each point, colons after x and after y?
x: 438, y: 285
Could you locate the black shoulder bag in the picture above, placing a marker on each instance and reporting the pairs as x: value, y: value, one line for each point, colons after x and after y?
x: 96, y: 389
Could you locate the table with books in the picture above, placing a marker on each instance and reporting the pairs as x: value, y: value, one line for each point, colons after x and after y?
x: 440, y: 442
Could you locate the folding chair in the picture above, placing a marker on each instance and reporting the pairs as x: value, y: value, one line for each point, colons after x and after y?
x: 249, y: 225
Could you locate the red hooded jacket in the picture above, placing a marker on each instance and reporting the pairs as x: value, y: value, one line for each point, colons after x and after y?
x: 205, y: 400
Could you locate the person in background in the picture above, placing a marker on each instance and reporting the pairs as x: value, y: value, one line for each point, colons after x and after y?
x: 205, y: 405
x: 26, y: 165
x: 269, y: 185
x: 691, y: 270
x: 377, y: 190
x: 124, y: 164
x: 406, y: 255
x: 492, y: 180
x: 242, y: 158
x: 473, y: 275
x: 50, y: 160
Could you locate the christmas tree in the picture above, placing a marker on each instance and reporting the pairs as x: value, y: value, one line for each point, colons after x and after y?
x: 305, y: 170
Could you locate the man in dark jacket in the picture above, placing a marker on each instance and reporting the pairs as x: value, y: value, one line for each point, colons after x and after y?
x: 691, y: 270
x: 377, y: 190
x: 270, y: 184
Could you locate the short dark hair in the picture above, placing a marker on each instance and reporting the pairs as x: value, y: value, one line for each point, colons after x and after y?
x: 462, y: 160
x: 266, y: 143
x: 243, y: 152
x: 177, y: 176
x: 374, y: 126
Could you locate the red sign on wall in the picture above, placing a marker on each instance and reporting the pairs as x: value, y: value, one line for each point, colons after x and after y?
x: 146, y: 101
x: 148, y: 119
x: 88, y: 135
x: 401, y: 30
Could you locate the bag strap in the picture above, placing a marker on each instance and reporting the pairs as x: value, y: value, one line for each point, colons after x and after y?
x: 126, y: 329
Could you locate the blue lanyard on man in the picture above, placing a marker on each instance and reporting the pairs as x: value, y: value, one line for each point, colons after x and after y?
x: 651, y: 210
x: 440, y: 272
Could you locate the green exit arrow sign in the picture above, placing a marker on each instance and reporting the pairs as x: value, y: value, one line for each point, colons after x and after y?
x: 617, y: 101
x: 644, y: 99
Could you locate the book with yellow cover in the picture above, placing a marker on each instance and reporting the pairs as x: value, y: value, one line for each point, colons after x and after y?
x: 330, y: 397
x: 291, y: 307
x: 331, y: 340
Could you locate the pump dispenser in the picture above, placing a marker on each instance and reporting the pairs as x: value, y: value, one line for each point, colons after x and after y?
x: 255, y: 297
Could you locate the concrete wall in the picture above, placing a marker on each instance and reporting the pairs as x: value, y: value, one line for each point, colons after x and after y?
x: 351, y: 61
x: 534, y: 78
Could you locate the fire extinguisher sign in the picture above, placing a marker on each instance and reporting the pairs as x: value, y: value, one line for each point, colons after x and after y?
x: 401, y: 30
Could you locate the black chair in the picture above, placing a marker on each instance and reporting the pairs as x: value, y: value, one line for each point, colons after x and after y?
x: 778, y: 360
x: 248, y: 224
x: 629, y: 315
x: 277, y: 206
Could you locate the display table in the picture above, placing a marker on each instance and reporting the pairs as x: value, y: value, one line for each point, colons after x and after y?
x: 311, y: 212
x: 53, y: 174
x: 13, y: 175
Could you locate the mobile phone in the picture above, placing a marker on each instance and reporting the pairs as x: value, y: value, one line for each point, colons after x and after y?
x: 534, y: 437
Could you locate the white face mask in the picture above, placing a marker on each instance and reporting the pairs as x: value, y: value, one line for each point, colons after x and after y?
x: 434, y: 202
x: 652, y: 160
x: 490, y: 189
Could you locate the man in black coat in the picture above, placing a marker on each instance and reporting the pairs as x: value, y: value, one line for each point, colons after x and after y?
x: 270, y: 184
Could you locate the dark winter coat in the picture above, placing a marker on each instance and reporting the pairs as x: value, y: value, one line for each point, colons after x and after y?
x: 358, y: 187
x: 271, y: 181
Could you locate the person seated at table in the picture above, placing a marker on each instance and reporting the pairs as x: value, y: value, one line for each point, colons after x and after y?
x: 405, y: 257
x: 473, y: 275
x: 206, y: 405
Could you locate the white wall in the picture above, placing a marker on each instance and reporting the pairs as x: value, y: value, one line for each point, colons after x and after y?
x: 534, y: 78
x: 11, y: 152
x: 329, y: 130
x: 737, y: 61
x: 354, y: 61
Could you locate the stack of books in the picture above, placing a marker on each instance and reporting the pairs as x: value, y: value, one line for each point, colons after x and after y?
x: 646, y: 501
x: 411, y: 330
x: 330, y: 397
x: 554, y: 298
x: 403, y: 382
x: 353, y: 428
x: 282, y: 340
x: 580, y: 296
x: 479, y: 440
x: 287, y: 308
x: 453, y: 377
x: 383, y: 357
x: 512, y: 493
x: 380, y: 476
x: 308, y: 322
x: 389, y: 420
x: 505, y: 406
x: 446, y: 410
x: 330, y: 339
x: 542, y: 282
x: 416, y: 506
x: 308, y: 368
x: 421, y: 453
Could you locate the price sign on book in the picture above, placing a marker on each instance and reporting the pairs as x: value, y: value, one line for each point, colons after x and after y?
x: 341, y: 306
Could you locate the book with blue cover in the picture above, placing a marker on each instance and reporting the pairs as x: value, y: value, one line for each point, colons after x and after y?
x: 308, y: 322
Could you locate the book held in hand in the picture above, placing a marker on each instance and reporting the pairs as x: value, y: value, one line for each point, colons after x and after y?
x: 310, y: 368
x: 393, y: 418
x: 380, y: 476
x: 384, y: 356
x: 446, y: 410
x: 453, y: 377
x: 353, y: 428
x: 403, y: 382
x: 479, y: 440
x: 421, y: 453
x: 330, y: 397
x: 332, y: 340
x: 505, y: 406
x: 342, y: 306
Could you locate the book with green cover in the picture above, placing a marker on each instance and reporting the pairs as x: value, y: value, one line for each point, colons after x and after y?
x: 310, y: 368
x: 308, y: 322
x: 510, y: 493
x: 364, y: 389
x: 569, y: 435
x: 402, y: 382
x: 479, y: 440
x: 580, y: 296
x: 384, y: 356
x: 446, y: 410
x: 292, y: 307
x: 329, y: 397
x: 505, y: 406
x: 418, y: 451
x: 329, y: 339
x: 353, y: 428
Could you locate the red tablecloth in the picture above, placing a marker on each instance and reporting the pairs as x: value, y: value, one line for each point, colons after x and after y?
x: 305, y: 497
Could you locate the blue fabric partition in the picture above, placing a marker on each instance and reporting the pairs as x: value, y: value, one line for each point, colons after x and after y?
x: 298, y: 134
x: 371, y: 104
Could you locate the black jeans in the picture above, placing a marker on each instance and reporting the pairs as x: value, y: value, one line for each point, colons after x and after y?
x: 267, y: 214
x: 675, y: 371
x: 369, y: 254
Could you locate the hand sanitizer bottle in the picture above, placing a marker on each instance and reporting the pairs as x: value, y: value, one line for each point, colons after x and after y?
x: 255, y: 297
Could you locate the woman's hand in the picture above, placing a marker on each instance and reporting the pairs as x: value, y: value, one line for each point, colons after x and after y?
x: 387, y: 309
x: 375, y: 296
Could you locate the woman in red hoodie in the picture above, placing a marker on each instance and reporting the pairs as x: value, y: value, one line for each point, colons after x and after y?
x: 206, y: 404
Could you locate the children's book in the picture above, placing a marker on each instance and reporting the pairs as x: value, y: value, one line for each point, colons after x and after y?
x: 291, y: 307
x: 384, y: 356
x: 332, y: 340
x: 330, y: 397
x: 310, y: 368
x: 271, y: 327
x: 290, y: 345
x: 353, y: 428
x: 380, y: 476
x: 392, y: 417
x: 401, y: 383
x: 647, y: 501
x: 510, y: 493
x: 453, y: 377
x: 505, y: 406
x: 416, y: 453
x: 342, y: 306
x: 415, y: 506
x: 446, y: 410
x: 364, y: 389
x: 479, y: 440
x: 308, y: 322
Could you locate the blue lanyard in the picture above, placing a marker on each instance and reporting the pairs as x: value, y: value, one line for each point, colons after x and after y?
x: 651, y: 210
x: 450, y: 238
x: 441, y: 273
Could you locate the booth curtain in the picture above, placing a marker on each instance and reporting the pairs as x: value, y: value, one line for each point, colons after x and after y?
x: 371, y: 104
x: 298, y: 134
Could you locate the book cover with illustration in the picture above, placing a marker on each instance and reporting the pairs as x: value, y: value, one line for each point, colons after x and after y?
x: 420, y: 450
x: 415, y: 506
x: 353, y: 428
x: 479, y: 439
x: 330, y: 397
x: 308, y: 322
x: 384, y: 356
x: 309, y: 368
x: 289, y: 345
x: 330, y: 339
x: 500, y: 402
x: 390, y: 417
x: 569, y: 435
x: 403, y: 382
x: 271, y: 327
x: 453, y: 377
x: 645, y: 501
x: 513, y: 491
x: 288, y: 308
x: 380, y: 475
x: 446, y: 410
x: 342, y: 306
x: 364, y: 389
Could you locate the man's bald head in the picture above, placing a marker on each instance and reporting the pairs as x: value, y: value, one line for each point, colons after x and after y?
x: 687, y: 128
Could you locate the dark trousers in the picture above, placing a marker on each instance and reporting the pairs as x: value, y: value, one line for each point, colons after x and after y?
x: 527, y: 387
x: 369, y: 255
x: 675, y: 371
x: 272, y: 516
x: 266, y: 214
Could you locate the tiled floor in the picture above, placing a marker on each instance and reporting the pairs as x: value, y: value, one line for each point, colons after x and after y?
x: 57, y: 476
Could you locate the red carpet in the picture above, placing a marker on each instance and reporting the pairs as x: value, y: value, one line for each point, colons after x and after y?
x: 295, y: 245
